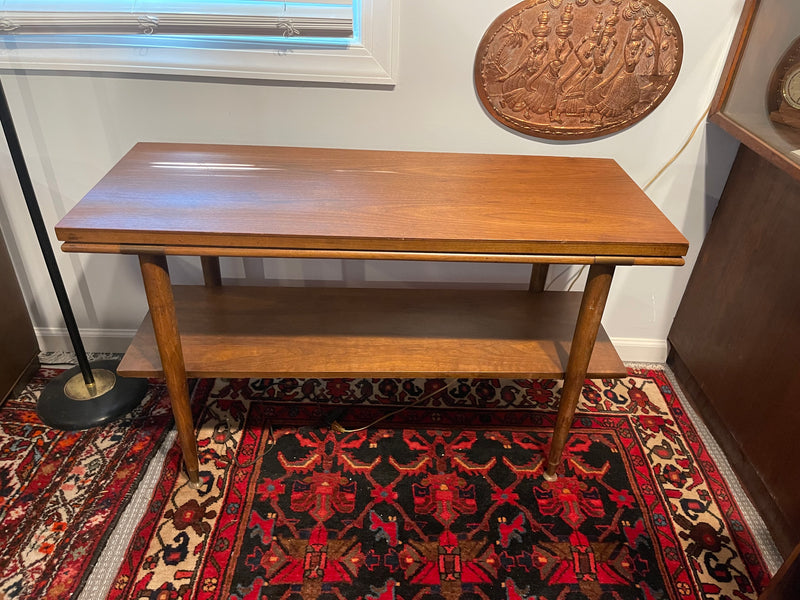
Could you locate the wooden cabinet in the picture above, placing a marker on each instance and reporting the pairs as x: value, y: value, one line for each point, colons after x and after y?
x: 786, y: 583
x: 736, y: 336
x: 18, y: 347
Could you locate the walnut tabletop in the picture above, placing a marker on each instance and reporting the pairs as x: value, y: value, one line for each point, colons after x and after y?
x: 275, y: 201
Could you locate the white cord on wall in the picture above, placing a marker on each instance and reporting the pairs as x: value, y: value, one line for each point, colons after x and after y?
x: 660, y: 172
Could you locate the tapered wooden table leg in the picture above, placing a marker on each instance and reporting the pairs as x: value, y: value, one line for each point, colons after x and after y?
x: 211, y: 272
x: 538, y: 277
x: 591, y: 312
x: 165, y: 325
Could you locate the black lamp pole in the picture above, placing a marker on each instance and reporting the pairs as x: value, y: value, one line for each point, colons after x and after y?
x: 65, y: 403
x: 41, y: 234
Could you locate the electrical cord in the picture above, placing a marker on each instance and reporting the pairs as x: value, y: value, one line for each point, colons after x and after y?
x: 574, y: 280
x: 228, y: 428
x: 564, y: 271
x: 660, y: 172
x: 679, y: 152
x: 334, y: 425
x: 338, y: 428
x: 270, y: 447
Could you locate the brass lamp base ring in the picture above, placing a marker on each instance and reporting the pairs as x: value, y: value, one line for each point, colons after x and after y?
x: 76, y: 388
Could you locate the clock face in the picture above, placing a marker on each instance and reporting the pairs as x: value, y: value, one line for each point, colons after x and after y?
x: 783, y: 95
x: 790, y: 89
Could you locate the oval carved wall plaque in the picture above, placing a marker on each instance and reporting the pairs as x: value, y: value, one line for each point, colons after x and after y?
x: 563, y: 69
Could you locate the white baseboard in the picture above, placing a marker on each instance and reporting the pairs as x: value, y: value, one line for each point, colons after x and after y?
x: 641, y: 350
x: 55, y: 339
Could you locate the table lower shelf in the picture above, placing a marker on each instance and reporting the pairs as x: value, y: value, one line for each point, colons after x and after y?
x: 326, y: 332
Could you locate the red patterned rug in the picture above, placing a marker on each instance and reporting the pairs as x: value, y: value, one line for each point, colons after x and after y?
x: 444, y: 500
x: 62, y: 492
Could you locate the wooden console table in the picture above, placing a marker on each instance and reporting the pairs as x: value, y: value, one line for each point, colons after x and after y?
x: 212, y: 201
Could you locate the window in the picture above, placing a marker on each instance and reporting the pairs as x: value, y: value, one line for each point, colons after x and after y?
x: 310, y: 40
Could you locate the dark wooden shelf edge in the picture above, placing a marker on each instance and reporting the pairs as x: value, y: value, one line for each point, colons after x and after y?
x: 477, y: 354
x: 757, y: 145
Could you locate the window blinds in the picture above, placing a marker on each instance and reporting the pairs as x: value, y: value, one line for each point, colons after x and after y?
x: 289, y: 18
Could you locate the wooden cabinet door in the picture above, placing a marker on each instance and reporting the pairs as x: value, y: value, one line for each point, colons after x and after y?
x: 18, y: 347
x: 736, y: 337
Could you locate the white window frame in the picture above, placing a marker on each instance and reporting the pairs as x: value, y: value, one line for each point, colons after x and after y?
x: 371, y: 58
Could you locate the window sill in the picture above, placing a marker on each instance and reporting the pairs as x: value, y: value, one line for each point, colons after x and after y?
x: 372, y: 60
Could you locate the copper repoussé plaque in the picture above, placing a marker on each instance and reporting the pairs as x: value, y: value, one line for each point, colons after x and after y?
x: 571, y: 70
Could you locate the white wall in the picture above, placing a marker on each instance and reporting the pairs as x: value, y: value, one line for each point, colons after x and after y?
x: 74, y: 128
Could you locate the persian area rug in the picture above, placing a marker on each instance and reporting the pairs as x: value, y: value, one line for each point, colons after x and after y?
x: 445, y: 500
x: 61, y: 492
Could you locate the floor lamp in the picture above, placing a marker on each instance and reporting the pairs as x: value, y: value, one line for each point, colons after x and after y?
x: 90, y: 394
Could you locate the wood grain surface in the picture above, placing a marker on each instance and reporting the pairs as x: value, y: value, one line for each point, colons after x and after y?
x: 327, y: 332
x: 313, y: 198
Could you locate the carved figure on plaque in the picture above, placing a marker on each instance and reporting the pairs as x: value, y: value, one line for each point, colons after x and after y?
x: 605, y: 66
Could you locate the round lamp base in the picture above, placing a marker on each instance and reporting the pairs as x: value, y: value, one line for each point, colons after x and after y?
x: 66, y: 402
